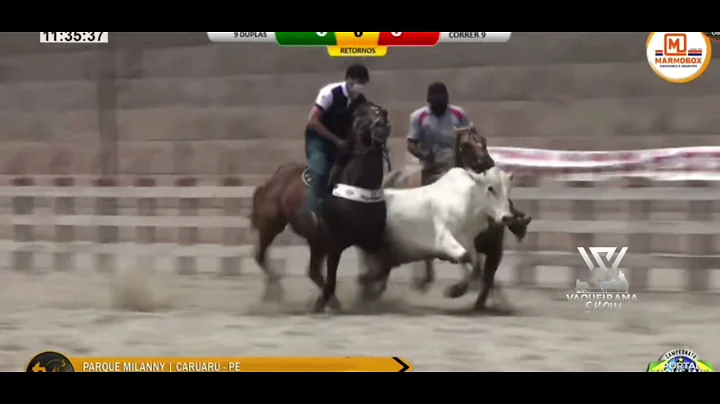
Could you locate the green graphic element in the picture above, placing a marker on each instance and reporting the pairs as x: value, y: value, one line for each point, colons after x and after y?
x: 656, y: 366
x: 305, y: 38
x: 705, y: 366
x: 659, y: 366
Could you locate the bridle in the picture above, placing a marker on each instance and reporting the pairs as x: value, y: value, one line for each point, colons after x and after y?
x: 480, y: 161
x: 379, y: 130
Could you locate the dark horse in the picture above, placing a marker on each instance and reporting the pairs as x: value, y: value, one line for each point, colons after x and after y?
x: 468, y: 153
x: 348, y: 219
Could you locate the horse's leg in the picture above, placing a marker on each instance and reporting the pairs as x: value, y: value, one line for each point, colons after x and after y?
x: 328, y: 292
x: 375, y: 288
x: 317, y: 255
x: 266, y: 235
x: 483, y: 242
x: 422, y: 283
x: 492, y: 262
x: 493, y: 249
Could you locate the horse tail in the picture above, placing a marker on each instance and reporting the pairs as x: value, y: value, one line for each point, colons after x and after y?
x: 254, y: 219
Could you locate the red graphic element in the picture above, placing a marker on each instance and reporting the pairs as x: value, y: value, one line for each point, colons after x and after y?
x: 408, y: 38
x: 675, y: 44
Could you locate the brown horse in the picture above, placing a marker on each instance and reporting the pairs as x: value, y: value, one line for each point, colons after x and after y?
x: 281, y: 201
x: 469, y: 152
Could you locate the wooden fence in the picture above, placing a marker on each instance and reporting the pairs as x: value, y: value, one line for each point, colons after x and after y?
x: 67, y: 220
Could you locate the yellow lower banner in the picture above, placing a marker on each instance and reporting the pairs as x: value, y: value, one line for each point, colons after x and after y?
x: 357, y: 51
x: 240, y: 364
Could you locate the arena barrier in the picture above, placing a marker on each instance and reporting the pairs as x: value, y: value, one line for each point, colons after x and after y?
x: 200, y: 226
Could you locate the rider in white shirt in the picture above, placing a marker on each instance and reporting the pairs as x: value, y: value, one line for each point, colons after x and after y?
x: 328, y: 123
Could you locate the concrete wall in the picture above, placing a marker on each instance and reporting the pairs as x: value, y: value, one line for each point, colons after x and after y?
x: 188, y: 107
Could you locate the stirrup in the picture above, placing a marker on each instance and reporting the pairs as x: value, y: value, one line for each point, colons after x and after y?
x: 306, y: 178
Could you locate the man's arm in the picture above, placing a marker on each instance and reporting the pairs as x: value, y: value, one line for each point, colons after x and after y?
x: 415, y: 136
x: 322, y: 103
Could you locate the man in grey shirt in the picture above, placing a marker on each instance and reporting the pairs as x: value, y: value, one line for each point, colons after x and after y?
x: 432, y: 139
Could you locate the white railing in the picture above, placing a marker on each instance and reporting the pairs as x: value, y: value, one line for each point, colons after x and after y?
x: 58, y: 223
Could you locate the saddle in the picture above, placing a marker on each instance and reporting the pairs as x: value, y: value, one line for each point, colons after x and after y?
x: 307, y: 179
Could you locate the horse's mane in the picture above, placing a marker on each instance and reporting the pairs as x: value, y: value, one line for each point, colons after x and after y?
x: 364, y: 105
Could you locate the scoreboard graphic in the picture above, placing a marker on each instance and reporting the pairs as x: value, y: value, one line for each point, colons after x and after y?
x: 358, y: 44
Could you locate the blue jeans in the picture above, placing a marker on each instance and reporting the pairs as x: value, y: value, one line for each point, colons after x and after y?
x: 320, y: 155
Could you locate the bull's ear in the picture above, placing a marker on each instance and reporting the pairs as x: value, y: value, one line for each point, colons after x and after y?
x: 511, y: 176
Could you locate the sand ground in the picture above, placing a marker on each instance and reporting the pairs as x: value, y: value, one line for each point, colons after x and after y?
x: 92, y: 315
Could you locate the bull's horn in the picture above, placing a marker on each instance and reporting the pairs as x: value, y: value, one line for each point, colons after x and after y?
x: 462, y: 128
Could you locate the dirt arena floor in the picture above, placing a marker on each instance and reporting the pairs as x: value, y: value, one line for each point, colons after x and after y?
x: 97, y: 315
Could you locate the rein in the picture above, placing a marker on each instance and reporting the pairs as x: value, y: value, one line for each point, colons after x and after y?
x: 385, y: 152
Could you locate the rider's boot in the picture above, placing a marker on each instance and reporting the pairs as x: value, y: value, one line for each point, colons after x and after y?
x: 310, y: 219
x: 310, y: 214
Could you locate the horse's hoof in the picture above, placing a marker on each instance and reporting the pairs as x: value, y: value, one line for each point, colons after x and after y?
x: 457, y: 290
x: 480, y: 306
x: 335, y: 305
x: 499, y: 310
x: 368, y: 295
x: 273, y: 293
x: 371, y: 293
x: 364, y: 279
x: 319, y: 306
x: 421, y: 286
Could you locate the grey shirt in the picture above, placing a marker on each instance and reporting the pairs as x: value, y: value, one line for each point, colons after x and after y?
x: 433, y: 133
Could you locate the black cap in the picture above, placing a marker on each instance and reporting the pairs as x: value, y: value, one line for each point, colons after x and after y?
x: 357, y: 71
x: 437, y: 88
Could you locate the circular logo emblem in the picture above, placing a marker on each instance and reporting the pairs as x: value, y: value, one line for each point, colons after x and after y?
x: 680, y: 360
x: 678, y: 57
x: 49, y: 362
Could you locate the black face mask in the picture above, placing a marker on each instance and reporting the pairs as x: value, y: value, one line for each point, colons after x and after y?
x: 439, y: 108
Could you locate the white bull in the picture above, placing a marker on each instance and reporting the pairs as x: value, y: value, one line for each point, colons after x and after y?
x: 439, y: 221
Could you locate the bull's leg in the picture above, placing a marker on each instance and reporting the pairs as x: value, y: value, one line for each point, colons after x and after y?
x: 423, y: 280
x: 449, y: 246
x: 461, y: 288
x: 373, y: 281
x: 375, y: 286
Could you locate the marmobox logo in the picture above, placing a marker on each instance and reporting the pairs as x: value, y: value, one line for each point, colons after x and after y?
x: 678, y: 57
